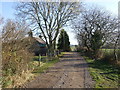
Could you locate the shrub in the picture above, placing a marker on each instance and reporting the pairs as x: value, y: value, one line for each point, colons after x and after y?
x: 15, y: 59
x: 108, y: 55
x: 118, y: 54
x: 15, y: 55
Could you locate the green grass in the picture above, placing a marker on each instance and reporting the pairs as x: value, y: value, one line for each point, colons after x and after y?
x: 72, y: 48
x: 40, y: 69
x: 6, y: 82
x: 104, y: 74
x: 36, y: 58
x: 108, y: 50
x: 60, y: 55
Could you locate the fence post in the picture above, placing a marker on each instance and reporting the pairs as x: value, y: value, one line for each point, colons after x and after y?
x: 54, y: 52
x: 39, y: 58
x: 47, y: 57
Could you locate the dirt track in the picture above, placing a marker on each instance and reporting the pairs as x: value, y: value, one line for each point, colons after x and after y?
x: 70, y: 72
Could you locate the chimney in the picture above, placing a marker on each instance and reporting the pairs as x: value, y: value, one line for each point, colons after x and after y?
x: 40, y: 36
x: 30, y: 33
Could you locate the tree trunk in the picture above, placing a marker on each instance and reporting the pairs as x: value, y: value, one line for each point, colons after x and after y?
x: 115, y: 47
x: 115, y: 53
x: 51, y: 49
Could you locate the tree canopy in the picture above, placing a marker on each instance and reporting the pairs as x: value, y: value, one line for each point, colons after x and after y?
x: 94, y: 28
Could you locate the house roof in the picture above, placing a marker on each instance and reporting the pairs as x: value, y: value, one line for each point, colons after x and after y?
x: 34, y: 39
x: 40, y: 40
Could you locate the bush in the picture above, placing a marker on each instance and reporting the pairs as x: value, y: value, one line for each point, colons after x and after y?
x: 108, y: 55
x: 118, y: 54
x: 15, y: 59
x: 15, y: 55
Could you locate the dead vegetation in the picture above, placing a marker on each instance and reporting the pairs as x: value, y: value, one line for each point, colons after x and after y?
x: 15, y: 56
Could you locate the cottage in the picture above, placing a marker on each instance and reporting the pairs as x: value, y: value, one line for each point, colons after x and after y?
x: 36, y: 45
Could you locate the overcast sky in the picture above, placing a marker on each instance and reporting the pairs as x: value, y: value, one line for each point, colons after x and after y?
x: 7, y: 11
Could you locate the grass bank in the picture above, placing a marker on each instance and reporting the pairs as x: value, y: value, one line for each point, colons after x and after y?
x: 104, y: 74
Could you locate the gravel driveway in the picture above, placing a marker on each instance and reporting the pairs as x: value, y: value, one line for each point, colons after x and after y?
x: 70, y: 72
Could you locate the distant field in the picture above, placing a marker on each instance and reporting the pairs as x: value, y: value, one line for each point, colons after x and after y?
x: 73, y: 48
x: 108, y: 50
x: 109, y: 54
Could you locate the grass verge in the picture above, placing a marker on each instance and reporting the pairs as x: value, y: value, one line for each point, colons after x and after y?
x: 104, y: 74
x: 60, y: 55
x: 40, y: 69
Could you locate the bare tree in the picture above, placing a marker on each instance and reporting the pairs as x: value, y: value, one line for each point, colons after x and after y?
x: 13, y: 30
x: 95, y: 21
x: 1, y: 21
x: 48, y: 17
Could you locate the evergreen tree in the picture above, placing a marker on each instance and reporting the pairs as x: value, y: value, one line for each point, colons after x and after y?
x: 63, y: 41
x: 96, y: 42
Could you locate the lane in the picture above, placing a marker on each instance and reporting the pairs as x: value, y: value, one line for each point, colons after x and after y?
x: 73, y: 75
x: 70, y: 72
